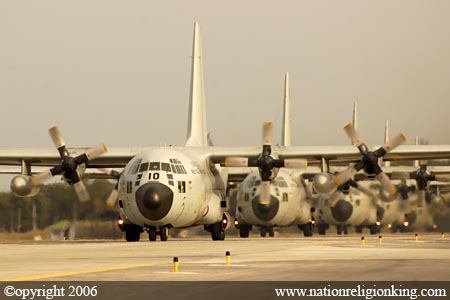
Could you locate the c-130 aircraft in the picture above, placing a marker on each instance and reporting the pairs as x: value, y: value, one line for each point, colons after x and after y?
x: 174, y: 187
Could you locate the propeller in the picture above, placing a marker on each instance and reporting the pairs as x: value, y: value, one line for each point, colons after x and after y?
x: 69, y: 165
x: 422, y: 178
x: 369, y: 160
x: 114, y: 195
x: 267, y: 164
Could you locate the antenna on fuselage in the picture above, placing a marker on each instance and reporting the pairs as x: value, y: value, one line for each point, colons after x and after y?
x: 197, y: 132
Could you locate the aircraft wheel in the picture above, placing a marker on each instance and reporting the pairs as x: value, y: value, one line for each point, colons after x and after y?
x: 339, y: 229
x: 322, y: 229
x: 308, y: 229
x: 271, y: 232
x: 132, y: 235
x: 152, y: 234
x: 358, y: 229
x: 217, y: 234
x: 263, y: 231
x: 345, y: 230
x: 163, y: 233
x: 244, y: 231
x: 373, y: 229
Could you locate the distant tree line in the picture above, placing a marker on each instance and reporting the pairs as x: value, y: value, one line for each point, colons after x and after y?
x: 54, y: 203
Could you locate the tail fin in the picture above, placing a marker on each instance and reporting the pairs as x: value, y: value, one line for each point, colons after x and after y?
x: 416, y: 162
x: 386, y: 139
x: 197, y: 131
x: 286, y: 130
x: 355, y: 115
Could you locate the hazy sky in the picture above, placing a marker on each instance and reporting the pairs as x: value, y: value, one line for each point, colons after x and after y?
x: 118, y: 72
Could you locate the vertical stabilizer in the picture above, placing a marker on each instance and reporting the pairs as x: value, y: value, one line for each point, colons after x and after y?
x: 355, y: 115
x: 386, y: 139
x: 286, y: 130
x: 416, y: 162
x: 197, y: 132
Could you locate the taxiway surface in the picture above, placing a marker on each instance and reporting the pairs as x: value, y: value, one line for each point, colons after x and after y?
x: 398, y: 257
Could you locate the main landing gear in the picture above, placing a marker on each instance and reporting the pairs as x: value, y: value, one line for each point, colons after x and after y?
x: 217, y: 231
x: 162, y: 231
x: 264, y: 230
x: 133, y: 232
x: 307, y: 228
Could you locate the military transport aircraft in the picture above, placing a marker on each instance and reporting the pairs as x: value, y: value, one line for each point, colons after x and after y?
x: 286, y: 203
x: 176, y: 187
x: 351, y: 204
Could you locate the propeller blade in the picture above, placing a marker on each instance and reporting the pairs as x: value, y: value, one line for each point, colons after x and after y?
x: 236, y: 162
x: 394, y: 142
x: 386, y: 183
x: 96, y: 151
x: 41, y: 177
x: 442, y: 177
x: 82, y: 192
x: 56, y: 136
x: 345, y: 175
x: 420, y: 198
x: 353, y: 135
x: 264, y: 194
x: 112, y: 198
x: 364, y: 189
x: 267, y: 133
x: 296, y: 163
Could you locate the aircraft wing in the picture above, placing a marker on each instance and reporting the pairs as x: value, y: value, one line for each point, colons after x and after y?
x: 333, y: 154
x: 119, y: 157
x: 114, y: 158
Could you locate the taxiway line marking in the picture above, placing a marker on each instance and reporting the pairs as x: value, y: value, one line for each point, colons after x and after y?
x: 80, y: 272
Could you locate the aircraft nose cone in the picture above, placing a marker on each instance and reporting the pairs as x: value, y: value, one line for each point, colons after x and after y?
x: 154, y: 200
x: 342, y: 211
x: 265, y: 211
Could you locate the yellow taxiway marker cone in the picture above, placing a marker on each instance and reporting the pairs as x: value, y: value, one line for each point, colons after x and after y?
x: 175, y: 264
x: 363, y: 242
x: 227, y: 257
x: 442, y: 235
x: 380, y: 239
x: 417, y: 237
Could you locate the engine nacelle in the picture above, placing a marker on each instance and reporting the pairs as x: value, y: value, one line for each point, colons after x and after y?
x: 21, y: 186
x: 323, y: 183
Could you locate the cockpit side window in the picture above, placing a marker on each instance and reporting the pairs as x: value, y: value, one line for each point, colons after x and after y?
x: 165, y: 167
x: 179, y: 171
x: 177, y: 166
x: 143, y: 167
x: 134, y: 168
